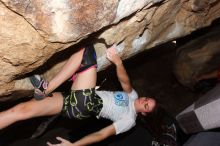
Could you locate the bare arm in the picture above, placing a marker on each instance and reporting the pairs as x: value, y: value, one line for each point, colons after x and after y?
x: 89, y: 139
x: 120, y: 69
x: 213, y: 74
x: 96, y: 136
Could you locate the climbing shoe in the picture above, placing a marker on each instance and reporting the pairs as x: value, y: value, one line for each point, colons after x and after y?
x: 40, y: 85
x: 43, y: 126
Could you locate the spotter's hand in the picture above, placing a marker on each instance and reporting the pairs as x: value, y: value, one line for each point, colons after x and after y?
x: 63, y: 142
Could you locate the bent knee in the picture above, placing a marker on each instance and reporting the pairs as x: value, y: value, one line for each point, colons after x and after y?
x: 58, y: 101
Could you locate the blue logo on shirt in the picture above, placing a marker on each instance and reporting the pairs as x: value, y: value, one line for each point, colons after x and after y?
x: 121, y: 99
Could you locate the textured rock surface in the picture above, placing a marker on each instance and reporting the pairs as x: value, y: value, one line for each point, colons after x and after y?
x: 31, y: 32
x: 197, y: 57
x: 65, y: 20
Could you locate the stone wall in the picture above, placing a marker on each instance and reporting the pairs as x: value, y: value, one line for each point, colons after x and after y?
x: 32, y: 32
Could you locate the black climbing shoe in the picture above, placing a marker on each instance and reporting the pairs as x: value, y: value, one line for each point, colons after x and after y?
x: 40, y: 85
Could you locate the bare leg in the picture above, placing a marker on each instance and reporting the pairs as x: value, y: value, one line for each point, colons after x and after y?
x: 48, y: 106
x: 85, y: 80
x: 67, y: 71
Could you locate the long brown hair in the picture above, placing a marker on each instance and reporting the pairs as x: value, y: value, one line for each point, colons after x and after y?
x: 153, y: 121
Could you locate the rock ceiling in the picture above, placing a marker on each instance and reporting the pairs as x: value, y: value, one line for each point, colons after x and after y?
x: 33, y: 32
